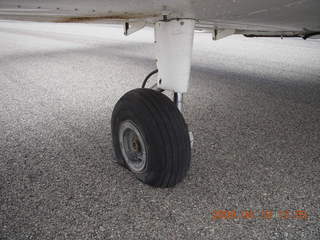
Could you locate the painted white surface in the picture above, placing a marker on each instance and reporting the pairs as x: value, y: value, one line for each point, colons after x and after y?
x: 174, y: 42
x: 287, y: 15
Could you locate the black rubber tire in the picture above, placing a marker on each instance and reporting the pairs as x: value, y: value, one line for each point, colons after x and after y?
x: 164, y: 130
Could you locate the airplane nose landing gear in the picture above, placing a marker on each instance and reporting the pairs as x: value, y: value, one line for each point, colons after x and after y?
x: 150, y: 136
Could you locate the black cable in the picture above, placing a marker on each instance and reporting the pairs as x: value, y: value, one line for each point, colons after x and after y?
x: 147, y: 78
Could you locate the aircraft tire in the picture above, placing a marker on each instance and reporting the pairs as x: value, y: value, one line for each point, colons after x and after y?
x: 150, y: 138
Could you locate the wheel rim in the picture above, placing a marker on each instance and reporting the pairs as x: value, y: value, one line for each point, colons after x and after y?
x: 132, y: 146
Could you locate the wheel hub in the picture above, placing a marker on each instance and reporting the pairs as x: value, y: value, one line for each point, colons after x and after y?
x: 132, y: 146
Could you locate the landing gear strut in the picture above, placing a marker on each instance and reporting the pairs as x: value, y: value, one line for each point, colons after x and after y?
x: 150, y: 136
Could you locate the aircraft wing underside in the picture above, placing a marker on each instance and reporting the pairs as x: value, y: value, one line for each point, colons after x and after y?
x: 248, y: 17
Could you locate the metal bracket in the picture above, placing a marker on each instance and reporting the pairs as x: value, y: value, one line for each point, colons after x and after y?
x: 132, y: 27
x: 218, y: 34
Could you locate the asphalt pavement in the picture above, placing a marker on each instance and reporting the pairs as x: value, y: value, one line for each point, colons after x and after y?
x: 253, y: 107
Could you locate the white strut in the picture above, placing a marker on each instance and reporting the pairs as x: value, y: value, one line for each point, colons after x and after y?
x: 174, y: 40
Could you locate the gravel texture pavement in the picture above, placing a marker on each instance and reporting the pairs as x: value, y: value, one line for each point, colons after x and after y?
x: 253, y: 107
